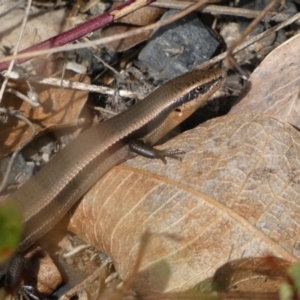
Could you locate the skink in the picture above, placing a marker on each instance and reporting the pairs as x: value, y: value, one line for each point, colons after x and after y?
x: 47, y: 196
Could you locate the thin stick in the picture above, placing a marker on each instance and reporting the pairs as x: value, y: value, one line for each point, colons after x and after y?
x: 251, y: 41
x: 81, y: 30
x: 53, y: 81
x: 85, y: 283
x: 229, y: 60
x: 17, y: 48
x: 222, y: 10
x: 105, y: 40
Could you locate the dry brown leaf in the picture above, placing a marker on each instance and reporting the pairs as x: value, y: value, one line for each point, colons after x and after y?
x: 124, y: 44
x: 235, y: 194
x: 40, y: 26
x: 273, y: 87
x: 45, y: 272
x: 141, y: 17
x: 59, y: 106
x: 259, y: 274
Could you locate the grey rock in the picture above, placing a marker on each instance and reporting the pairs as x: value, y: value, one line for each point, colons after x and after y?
x: 178, y: 47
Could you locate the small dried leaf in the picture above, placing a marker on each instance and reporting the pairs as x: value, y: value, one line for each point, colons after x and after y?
x: 46, y: 274
x: 124, y: 44
x: 42, y: 26
x: 273, y: 87
x: 59, y: 106
x: 142, y: 16
x: 235, y: 194
x: 256, y: 274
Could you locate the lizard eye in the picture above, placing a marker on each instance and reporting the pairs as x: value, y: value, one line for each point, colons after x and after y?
x: 201, y: 89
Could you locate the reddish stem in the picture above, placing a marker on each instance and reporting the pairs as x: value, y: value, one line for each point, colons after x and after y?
x: 72, y: 34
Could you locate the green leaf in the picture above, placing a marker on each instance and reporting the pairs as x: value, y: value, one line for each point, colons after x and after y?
x: 291, y: 286
x: 10, y: 229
